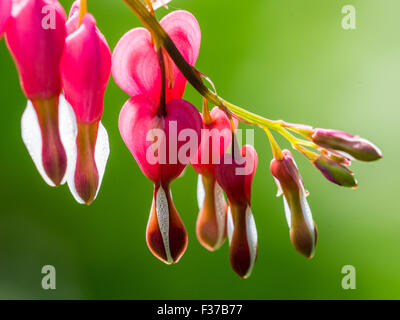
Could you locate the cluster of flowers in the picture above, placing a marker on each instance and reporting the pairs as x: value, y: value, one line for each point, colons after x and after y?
x: 62, y: 132
x: 68, y: 143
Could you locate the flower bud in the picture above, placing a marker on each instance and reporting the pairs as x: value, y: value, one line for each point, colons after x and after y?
x: 303, y: 232
x: 355, y: 146
x: 211, y: 220
x: 235, y: 175
x: 35, y: 35
x: 85, y: 70
x: 5, y: 11
x: 335, y: 172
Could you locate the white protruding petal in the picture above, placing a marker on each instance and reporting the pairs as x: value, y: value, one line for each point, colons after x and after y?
x: 220, y: 204
x: 201, y: 194
x: 230, y: 225
x: 159, y: 3
x: 288, y: 212
x: 101, y: 153
x: 162, y: 211
x: 278, y: 184
x: 305, y: 208
x: 251, y: 238
x: 68, y: 132
x: 32, y: 137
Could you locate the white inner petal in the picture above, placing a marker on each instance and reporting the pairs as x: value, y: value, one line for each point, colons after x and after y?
x: 201, y: 194
x: 101, y: 153
x: 305, y: 208
x: 220, y: 212
x: 68, y: 132
x: 159, y: 3
x: 230, y: 226
x: 32, y: 137
x: 288, y: 212
x: 162, y: 211
x: 251, y: 238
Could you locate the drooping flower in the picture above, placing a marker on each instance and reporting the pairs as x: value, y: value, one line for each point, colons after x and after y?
x: 156, y: 143
x: 85, y: 71
x: 303, y: 232
x: 5, y: 12
x: 235, y: 175
x: 153, y: 123
x: 37, y: 47
x: 211, y: 220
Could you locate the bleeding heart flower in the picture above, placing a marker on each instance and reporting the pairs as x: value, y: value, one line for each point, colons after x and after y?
x: 5, y: 12
x: 149, y: 131
x: 85, y: 70
x: 37, y: 47
x: 303, y: 231
x: 211, y: 220
x: 235, y: 175
x: 157, y: 143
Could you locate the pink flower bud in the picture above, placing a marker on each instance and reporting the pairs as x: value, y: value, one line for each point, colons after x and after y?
x: 85, y: 70
x: 355, y: 146
x: 156, y: 142
x: 303, y: 232
x: 335, y: 172
x: 5, y: 12
x: 35, y: 35
x: 235, y: 175
x: 211, y: 220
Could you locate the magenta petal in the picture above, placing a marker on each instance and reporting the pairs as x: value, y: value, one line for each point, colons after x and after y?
x: 36, y: 49
x: 5, y: 11
x: 85, y: 70
x: 135, y: 65
x: 146, y: 133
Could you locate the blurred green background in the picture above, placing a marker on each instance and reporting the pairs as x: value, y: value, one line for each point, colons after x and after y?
x: 285, y: 59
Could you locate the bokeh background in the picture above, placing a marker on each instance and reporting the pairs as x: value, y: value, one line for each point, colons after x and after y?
x: 285, y: 59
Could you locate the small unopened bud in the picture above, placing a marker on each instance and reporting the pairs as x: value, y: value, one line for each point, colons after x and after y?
x: 335, y: 172
x: 355, y: 146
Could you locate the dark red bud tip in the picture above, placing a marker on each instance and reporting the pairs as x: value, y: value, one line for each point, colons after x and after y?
x: 304, y: 241
x: 211, y: 221
x: 335, y: 172
x: 166, y: 234
x: 86, y: 173
x: 359, y: 148
x: 243, y: 246
x: 54, y: 158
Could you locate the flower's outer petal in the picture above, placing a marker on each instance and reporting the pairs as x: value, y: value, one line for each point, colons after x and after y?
x: 37, y: 46
x: 138, y: 121
x: 184, y: 31
x: 32, y: 136
x: 135, y: 66
x: 5, y: 11
x: 85, y: 70
x: 165, y: 235
x: 216, y: 139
